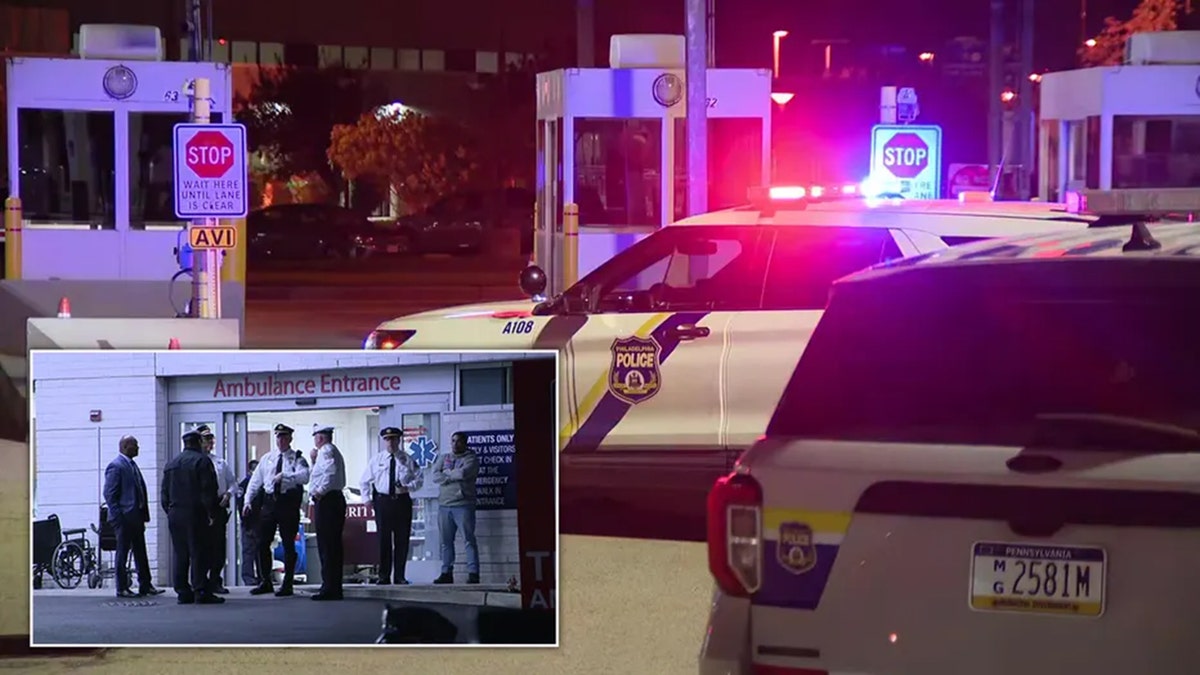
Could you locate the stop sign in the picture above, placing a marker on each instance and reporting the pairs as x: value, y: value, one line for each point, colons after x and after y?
x: 209, y: 154
x: 905, y: 155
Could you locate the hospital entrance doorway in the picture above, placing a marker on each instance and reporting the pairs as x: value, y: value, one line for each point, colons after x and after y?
x: 245, y: 436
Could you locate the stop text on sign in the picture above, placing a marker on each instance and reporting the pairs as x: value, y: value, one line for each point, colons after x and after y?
x: 210, y: 171
x: 905, y: 156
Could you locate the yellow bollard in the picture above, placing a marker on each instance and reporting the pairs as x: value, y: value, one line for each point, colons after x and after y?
x: 12, y: 238
x: 570, y: 245
x: 233, y: 266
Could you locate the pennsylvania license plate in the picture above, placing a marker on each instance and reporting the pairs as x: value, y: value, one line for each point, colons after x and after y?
x: 1038, y: 579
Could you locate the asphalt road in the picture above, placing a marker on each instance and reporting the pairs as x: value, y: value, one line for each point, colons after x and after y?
x: 334, y: 306
x: 67, y: 619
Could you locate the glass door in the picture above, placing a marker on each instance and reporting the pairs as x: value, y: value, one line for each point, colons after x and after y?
x: 236, y: 451
x: 423, y: 440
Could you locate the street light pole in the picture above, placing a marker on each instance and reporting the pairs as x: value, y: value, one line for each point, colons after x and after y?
x: 777, y: 36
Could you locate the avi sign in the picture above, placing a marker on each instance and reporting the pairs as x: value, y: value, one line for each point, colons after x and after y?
x: 909, y: 156
x: 210, y: 171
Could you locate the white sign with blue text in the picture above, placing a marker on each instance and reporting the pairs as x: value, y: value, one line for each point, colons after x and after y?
x: 210, y: 171
x: 908, y: 159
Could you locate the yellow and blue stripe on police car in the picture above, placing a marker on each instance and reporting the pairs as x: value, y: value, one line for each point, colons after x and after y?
x: 609, y: 399
x: 799, y: 551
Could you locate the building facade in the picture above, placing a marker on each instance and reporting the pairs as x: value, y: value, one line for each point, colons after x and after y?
x: 83, y: 403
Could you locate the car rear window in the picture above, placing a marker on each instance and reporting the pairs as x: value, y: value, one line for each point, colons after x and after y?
x: 974, y: 359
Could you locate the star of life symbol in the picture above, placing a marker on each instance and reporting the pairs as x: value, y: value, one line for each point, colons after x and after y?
x: 423, y: 450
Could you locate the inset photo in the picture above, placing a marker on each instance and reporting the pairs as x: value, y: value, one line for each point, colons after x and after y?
x: 316, y: 498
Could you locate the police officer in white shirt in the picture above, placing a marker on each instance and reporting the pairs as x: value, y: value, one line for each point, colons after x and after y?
x: 327, y: 487
x: 388, y: 481
x: 281, y: 475
x: 226, y: 486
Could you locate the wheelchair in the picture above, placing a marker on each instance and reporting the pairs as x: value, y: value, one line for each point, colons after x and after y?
x: 69, y: 557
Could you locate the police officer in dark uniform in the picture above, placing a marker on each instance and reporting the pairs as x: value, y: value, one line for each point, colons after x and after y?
x: 251, y: 575
x: 189, y: 496
x: 281, y: 474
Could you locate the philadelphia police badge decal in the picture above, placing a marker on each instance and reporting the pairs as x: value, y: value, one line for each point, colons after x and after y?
x: 634, y: 375
x: 796, y: 551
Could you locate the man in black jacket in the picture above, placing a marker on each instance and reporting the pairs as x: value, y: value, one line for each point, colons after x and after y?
x: 251, y: 575
x: 189, y: 496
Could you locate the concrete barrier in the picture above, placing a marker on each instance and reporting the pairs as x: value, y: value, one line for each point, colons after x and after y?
x: 25, y: 299
x: 133, y: 333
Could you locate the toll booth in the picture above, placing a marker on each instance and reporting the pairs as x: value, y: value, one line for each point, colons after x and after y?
x: 90, y: 156
x: 612, y: 142
x: 1127, y: 126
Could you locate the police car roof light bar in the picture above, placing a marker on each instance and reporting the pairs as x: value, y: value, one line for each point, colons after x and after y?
x: 765, y: 199
x: 1140, y: 202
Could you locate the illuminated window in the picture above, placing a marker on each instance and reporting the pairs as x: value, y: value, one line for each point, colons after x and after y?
x: 408, y: 59
x: 383, y: 58
x: 329, y: 56
x: 433, y: 59
x: 270, y: 54
x: 487, y: 62
x: 357, y: 57
x: 243, y: 52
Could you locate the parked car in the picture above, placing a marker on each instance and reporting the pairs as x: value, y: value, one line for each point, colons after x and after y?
x: 459, y: 222
x: 308, y: 231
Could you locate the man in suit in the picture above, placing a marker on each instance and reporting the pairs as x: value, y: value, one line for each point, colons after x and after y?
x: 128, y: 512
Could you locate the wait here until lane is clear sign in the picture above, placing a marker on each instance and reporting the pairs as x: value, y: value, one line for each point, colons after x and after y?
x: 210, y: 171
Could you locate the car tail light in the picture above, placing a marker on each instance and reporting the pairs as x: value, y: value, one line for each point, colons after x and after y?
x: 387, y: 339
x: 735, y: 534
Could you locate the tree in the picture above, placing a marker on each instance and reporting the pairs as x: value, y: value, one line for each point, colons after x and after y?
x: 421, y: 157
x: 507, y: 121
x: 1148, y: 17
x: 290, y: 107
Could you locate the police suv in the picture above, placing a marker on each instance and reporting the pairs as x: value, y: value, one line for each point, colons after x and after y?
x: 986, y: 461
x: 676, y: 350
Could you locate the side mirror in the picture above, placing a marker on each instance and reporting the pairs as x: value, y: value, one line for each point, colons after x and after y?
x: 533, y: 281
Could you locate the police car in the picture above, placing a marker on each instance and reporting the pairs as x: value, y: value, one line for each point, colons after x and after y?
x: 987, y: 461
x: 675, y: 351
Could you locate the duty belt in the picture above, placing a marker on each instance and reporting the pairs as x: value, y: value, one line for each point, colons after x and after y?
x: 293, y: 494
x: 391, y: 496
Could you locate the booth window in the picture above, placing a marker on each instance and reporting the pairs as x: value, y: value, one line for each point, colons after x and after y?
x: 485, y: 386
x: 618, y: 171
x: 152, y: 170
x: 1156, y: 151
x: 735, y: 154
x: 67, y: 161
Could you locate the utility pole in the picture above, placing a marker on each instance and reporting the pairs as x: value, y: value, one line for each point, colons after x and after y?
x: 1026, y: 126
x: 585, y: 33
x: 995, y: 86
x: 697, y: 106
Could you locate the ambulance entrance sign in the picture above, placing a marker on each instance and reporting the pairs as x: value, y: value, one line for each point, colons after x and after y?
x: 908, y: 156
x: 210, y: 171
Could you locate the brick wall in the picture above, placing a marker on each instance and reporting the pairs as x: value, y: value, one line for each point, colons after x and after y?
x: 73, y: 451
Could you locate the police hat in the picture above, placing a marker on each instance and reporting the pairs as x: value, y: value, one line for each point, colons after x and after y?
x: 390, y: 432
x: 204, y: 431
x: 193, y: 436
x: 328, y: 431
x: 283, y: 430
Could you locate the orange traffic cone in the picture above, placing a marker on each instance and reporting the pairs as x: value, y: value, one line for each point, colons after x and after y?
x: 173, y: 344
x: 64, y: 308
